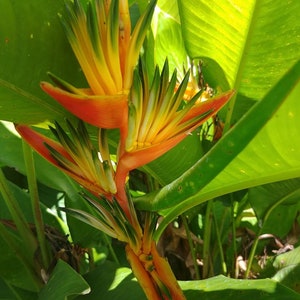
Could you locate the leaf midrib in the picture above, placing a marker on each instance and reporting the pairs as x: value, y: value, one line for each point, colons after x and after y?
x: 242, y: 62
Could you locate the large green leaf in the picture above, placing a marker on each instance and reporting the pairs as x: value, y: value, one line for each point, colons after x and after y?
x: 113, y: 283
x: 221, y: 287
x: 273, y: 155
x: 9, y: 292
x: 32, y: 43
x: 64, y: 282
x: 254, y: 41
x: 289, y: 269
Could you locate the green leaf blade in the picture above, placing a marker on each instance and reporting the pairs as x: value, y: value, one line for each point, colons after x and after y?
x: 30, y: 34
x: 64, y: 282
x: 254, y: 41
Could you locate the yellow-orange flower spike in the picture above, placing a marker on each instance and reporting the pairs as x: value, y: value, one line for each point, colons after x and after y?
x: 159, y: 119
x: 107, y: 53
x: 76, y: 156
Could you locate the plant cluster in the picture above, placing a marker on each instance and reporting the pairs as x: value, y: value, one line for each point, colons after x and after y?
x: 155, y: 159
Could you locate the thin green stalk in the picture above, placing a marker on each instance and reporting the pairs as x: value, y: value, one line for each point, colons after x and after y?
x: 255, y: 243
x: 252, y: 253
x: 191, y: 245
x: 219, y: 242
x: 35, y: 204
x: 206, y: 239
x: 18, y: 218
x: 234, y: 209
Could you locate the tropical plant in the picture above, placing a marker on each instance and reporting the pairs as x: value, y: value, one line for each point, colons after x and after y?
x: 145, y: 155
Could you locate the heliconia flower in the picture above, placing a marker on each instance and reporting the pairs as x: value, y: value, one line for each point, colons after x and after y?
x: 76, y: 156
x: 107, y: 52
x: 158, y: 118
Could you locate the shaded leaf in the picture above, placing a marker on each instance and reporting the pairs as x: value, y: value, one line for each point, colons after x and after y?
x: 8, y: 292
x: 288, y: 265
x: 112, y: 283
x: 14, y: 267
x: 276, y: 205
x: 221, y: 287
x: 14, y: 270
x: 64, y: 282
x: 178, y: 160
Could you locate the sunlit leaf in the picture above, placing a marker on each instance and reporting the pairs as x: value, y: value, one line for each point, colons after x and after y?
x: 168, y: 38
x: 254, y: 42
x: 216, y: 288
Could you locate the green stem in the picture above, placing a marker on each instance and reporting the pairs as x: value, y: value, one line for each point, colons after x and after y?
x: 263, y: 221
x: 219, y: 242
x: 206, y: 239
x: 234, y: 208
x: 252, y: 253
x: 191, y: 245
x: 35, y: 204
x: 19, y: 220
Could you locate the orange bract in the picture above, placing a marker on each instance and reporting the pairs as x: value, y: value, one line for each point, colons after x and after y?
x: 107, y: 111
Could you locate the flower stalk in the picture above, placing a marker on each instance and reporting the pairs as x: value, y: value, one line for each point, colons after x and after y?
x: 152, y: 271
